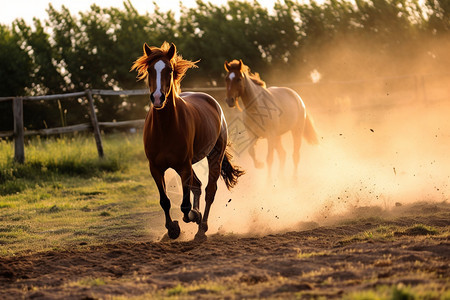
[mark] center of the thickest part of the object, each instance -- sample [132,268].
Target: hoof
[200,236]
[165,238]
[173,230]
[186,218]
[195,216]
[203,227]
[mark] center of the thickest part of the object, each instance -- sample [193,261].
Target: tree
[15,64]
[15,73]
[342,39]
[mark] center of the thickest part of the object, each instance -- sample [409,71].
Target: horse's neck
[169,113]
[253,93]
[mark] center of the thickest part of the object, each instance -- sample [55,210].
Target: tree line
[94,49]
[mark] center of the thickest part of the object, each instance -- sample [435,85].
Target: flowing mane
[179,65]
[246,70]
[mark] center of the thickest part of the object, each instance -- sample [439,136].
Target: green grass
[389,232]
[400,292]
[189,291]
[72,156]
[420,229]
[305,255]
[65,196]
[176,290]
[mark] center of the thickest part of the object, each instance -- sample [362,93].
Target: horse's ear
[240,64]
[172,51]
[147,49]
[227,66]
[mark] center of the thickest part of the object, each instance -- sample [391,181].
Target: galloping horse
[180,130]
[268,113]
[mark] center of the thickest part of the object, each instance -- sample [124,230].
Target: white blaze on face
[159,66]
[231,77]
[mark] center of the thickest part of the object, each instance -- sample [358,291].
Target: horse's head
[163,69]
[235,81]
[159,77]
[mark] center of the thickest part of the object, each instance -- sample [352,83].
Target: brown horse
[269,113]
[180,130]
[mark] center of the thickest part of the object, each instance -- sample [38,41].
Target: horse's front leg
[173,229]
[270,149]
[214,165]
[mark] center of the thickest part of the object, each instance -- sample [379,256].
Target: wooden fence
[19,131]
[416,88]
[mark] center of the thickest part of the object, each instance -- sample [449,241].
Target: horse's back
[205,106]
[286,110]
[209,122]
[198,100]
[287,99]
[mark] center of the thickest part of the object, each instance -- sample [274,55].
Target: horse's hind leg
[281,153]
[194,214]
[214,163]
[173,229]
[190,182]
[297,137]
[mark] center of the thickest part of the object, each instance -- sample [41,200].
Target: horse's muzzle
[231,101]
[158,102]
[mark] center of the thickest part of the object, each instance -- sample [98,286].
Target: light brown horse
[268,113]
[180,130]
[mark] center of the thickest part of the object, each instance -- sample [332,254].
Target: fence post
[94,121]
[19,144]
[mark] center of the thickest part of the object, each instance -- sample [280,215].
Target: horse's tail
[230,173]
[309,132]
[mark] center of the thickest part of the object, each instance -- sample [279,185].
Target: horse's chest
[259,125]
[167,150]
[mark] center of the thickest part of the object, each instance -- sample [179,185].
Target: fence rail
[19,131]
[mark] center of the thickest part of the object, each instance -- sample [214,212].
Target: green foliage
[96,48]
[15,64]
[15,71]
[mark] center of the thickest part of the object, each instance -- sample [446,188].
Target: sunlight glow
[29,9]
[315,76]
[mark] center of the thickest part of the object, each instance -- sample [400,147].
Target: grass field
[73,225]
[64,194]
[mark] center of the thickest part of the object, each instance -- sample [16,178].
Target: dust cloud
[384,142]
[383,158]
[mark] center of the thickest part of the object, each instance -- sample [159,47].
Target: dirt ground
[363,225]
[330,261]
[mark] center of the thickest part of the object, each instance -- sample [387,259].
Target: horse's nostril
[152,98]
